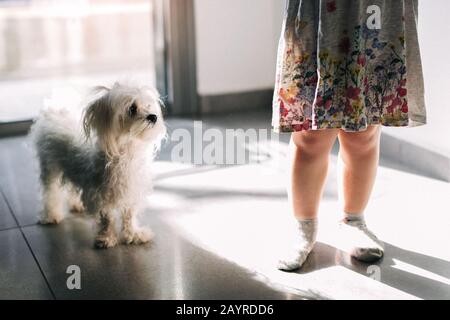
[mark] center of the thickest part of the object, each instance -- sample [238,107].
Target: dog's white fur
[104,159]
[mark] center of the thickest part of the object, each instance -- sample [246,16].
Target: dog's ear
[98,117]
[98,113]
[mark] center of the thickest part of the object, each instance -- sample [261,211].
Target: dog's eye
[132,110]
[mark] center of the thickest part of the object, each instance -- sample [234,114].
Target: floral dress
[348,64]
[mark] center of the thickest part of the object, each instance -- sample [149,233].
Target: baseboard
[15,128]
[248,100]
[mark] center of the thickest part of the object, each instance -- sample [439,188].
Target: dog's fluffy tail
[59,119]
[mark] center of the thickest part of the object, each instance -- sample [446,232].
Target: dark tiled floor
[20,277]
[216,228]
[19,179]
[6,218]
[171,268]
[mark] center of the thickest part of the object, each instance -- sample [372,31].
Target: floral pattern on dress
[365,83]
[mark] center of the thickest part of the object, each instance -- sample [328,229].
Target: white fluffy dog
[103,157]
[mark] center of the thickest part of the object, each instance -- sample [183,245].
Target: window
[47,44]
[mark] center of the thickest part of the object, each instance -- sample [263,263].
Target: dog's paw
[105,242]
[76,207]
[51,219]
[138,236]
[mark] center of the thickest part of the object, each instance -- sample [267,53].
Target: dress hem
[410,123]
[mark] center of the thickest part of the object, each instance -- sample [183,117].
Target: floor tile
[6,219]
[20,277]
[19,179]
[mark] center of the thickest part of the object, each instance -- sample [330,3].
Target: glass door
[47,44]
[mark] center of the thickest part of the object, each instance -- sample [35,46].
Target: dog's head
[121,114]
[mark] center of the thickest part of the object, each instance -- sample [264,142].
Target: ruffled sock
[361,243]
[306,238]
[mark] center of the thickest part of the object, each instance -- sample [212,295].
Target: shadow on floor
[390,269]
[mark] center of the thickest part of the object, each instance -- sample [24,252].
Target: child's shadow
[427,277]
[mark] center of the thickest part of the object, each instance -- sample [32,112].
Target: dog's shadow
[427,278]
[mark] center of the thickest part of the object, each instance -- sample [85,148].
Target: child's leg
[309,155]
[359,157]
[359,152]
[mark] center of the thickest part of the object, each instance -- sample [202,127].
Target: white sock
[362,244]
[307,233]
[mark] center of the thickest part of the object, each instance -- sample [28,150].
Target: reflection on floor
[218,232]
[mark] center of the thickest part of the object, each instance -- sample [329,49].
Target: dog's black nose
[152,118]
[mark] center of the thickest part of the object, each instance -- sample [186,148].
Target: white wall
[434,27]
[236,44]
[434,31]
